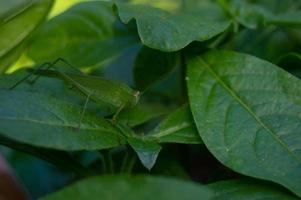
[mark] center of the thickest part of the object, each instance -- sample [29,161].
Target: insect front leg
[114,118]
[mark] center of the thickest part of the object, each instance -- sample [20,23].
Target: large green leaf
[248,190]
[247,112]
[129,187]
[18,21]
[86,35]
[178,127]
[165,31]
[44,121]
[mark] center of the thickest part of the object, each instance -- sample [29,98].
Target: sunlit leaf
[18,21]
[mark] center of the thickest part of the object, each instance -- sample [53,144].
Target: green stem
[124,162]
[106,158]
[183,77]
[131,164]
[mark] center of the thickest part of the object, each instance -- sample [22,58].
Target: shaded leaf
[16,26]
[152,66]
[159,29]
[254,15]
[146,150]
[177,127]
[59,159]
[290,60]
[248,190]
[247,112]
[129,187]
[287,19]
[44,121]
[249,15]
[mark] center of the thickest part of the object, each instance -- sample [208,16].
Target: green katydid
[96,88]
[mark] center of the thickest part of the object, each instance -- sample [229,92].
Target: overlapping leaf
[159,29]
[178,127]
[247,112]
[44,121]
[141,113]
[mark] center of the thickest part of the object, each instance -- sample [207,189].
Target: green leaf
[159,29]
[10,7]
[178,127]
[290,60]
[44,121]
[100,89]
[288,19]
[44,85]
[141,113]
[170,5]
[130,187]
[60,159]
[87,35]
[248,190]
[146,150]
[17,23]
[254,15]
[152,66]
[247,112]
[249,15]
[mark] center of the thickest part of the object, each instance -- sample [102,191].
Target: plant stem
[106,158]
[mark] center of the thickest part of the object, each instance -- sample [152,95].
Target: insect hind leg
[83,111]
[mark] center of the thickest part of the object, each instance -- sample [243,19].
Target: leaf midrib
[56,124]
[171,130]
[249,110]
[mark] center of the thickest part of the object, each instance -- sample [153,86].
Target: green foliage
[17,22]
[250,116]
[248,190]
[139,187]
[154,88]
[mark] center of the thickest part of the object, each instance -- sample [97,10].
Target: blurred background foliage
[93,39]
